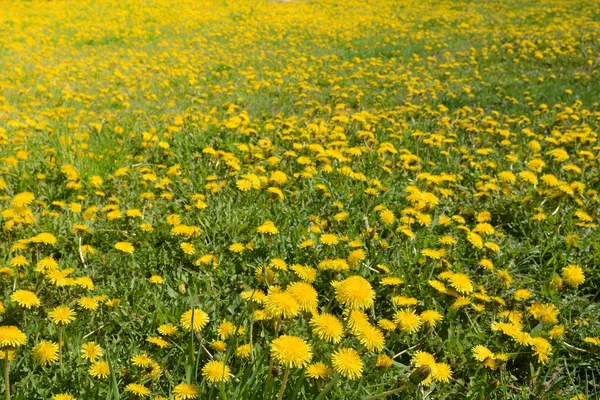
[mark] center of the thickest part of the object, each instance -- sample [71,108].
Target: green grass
[106,85]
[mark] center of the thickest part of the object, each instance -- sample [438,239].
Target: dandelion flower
[185,391]
[291,351]
[125,247]
[522,294]
[421,358]
[354,293]
[372,338]
[281,305]
[99,369]
[216,371]
[199,319]
[461,283]
[305,294]
[431,317]
[542,349]
[244,351]
[45,352]
[88,303]
[25,298]
[91,351]
[573,275]
[158,341]
[167,329]
[391,281]
[11,336]
[63,396]
[327,327]
[138,390]
[19,261]
[62,315]
[347,363]
[268,228]
[408,321]
[441,372]
[22,199]
[329,239]
[317,371]
[481,353]
[384,361]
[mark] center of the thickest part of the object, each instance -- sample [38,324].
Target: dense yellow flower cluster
[357,197]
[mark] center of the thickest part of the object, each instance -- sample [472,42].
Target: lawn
[359,199]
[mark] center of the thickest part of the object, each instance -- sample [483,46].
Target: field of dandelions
[260,199]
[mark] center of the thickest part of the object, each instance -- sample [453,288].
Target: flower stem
[388,393]
[60,346]
[327,388]
[251,333]
[285,378]
[6,378]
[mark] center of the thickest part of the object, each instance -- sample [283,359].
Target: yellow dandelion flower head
[481,353]
[356,320]
[522,294]
[391,281]
[63,396]
[408,321]
[25,298]
[244,351]
[138,390]
[45,352]
[421,358]
[281,305]
[45,238]
[237,247]
[307,274]
[329,239]
[142,360]
[372,338]
[291,351]
[125,247]
[62,315]
[461,282]
[305,294]
[11,336]
[218,345]
[431,317]
[99,369]
[573,275]
[386,324]
[279,263]
[216,371]
[196,318]
[186,391]
[327,327]
[347,362]
[402,301]
[88,303]
[268,228]
[354,293]
[22,199]
[317,370]
[91,351]
[441,372]
[46,263]
[167,329]
[384,361]
[19,261]
[158,341]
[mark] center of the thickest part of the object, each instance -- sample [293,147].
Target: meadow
[304,199]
